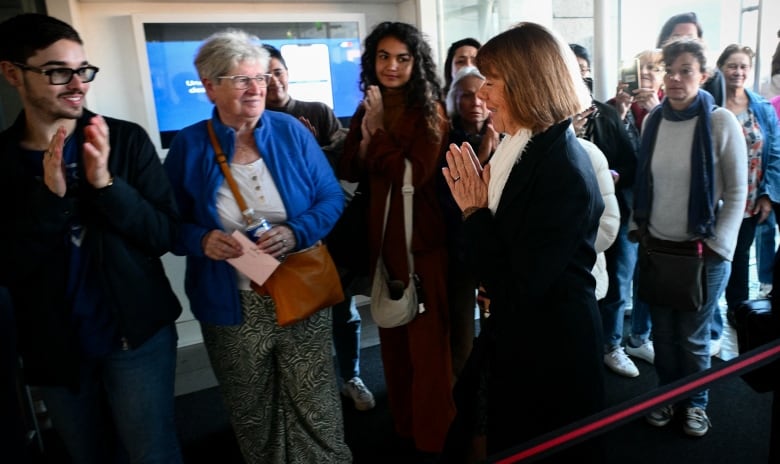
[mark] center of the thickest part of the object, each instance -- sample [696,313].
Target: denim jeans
[621,268]
[682,338]
[346,336]
[766,248]
[126,397]
[640,319]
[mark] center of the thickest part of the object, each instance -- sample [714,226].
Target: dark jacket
[129,226]
[606,130]
[450,209]
[330,135]
[534,256]
[716,86]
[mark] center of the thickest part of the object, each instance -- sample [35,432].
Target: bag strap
[246,212]
[408,193]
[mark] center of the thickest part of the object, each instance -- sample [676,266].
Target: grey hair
[224,50]
[464,72]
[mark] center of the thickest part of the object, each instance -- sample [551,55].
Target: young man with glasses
[88,212]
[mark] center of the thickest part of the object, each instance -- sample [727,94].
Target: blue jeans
[134,390]
[765,248]
[682,338]
[346,336]
[621,265]
[640,318]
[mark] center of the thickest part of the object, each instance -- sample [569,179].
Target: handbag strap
[246,212]
[408,192]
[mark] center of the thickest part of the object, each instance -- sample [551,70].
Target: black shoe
[730,317]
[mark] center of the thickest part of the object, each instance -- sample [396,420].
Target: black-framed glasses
[63,76]
[241,82]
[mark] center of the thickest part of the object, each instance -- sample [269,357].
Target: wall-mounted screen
[323,58]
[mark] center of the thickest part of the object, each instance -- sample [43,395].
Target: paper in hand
[255,264]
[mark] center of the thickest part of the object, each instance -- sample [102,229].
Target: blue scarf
[701,198]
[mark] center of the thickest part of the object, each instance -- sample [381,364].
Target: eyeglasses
[63,76]
[241,82]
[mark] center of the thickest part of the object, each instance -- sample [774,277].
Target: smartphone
[629,74]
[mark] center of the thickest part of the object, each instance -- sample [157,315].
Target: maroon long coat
[416,356]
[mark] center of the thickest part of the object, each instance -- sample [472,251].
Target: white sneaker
[714,347]
[764,290]
[359,393]
[696,424]
[645,351]
[620,363]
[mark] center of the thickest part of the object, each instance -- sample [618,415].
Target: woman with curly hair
[402,119]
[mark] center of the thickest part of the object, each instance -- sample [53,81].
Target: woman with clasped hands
[278,383]
[530,222]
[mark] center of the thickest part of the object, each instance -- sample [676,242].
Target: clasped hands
[467,179]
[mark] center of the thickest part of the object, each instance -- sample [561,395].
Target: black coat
[129,226]
[606,131]
[542,345]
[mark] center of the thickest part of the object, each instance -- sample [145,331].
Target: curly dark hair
[424,88]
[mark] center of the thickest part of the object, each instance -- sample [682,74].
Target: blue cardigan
[770,151]
[311,194]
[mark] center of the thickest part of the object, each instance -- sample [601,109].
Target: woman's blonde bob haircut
[542,82]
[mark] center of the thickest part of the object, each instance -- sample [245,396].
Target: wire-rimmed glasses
[242,82]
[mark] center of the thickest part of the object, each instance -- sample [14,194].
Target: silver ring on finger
[456,179]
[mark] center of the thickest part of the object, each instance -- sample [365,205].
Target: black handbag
[756,326]
[672,273]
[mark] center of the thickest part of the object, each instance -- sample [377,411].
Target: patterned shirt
[754,141]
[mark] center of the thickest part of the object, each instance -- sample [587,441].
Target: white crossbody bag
[387,311]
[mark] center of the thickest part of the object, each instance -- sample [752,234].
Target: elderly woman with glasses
[278,383]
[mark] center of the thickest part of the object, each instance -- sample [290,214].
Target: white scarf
[508,153]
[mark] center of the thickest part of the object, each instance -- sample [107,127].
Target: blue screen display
[319,69]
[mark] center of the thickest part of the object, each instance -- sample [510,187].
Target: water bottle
[258,227]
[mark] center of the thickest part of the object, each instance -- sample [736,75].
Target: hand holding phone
[629,75]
